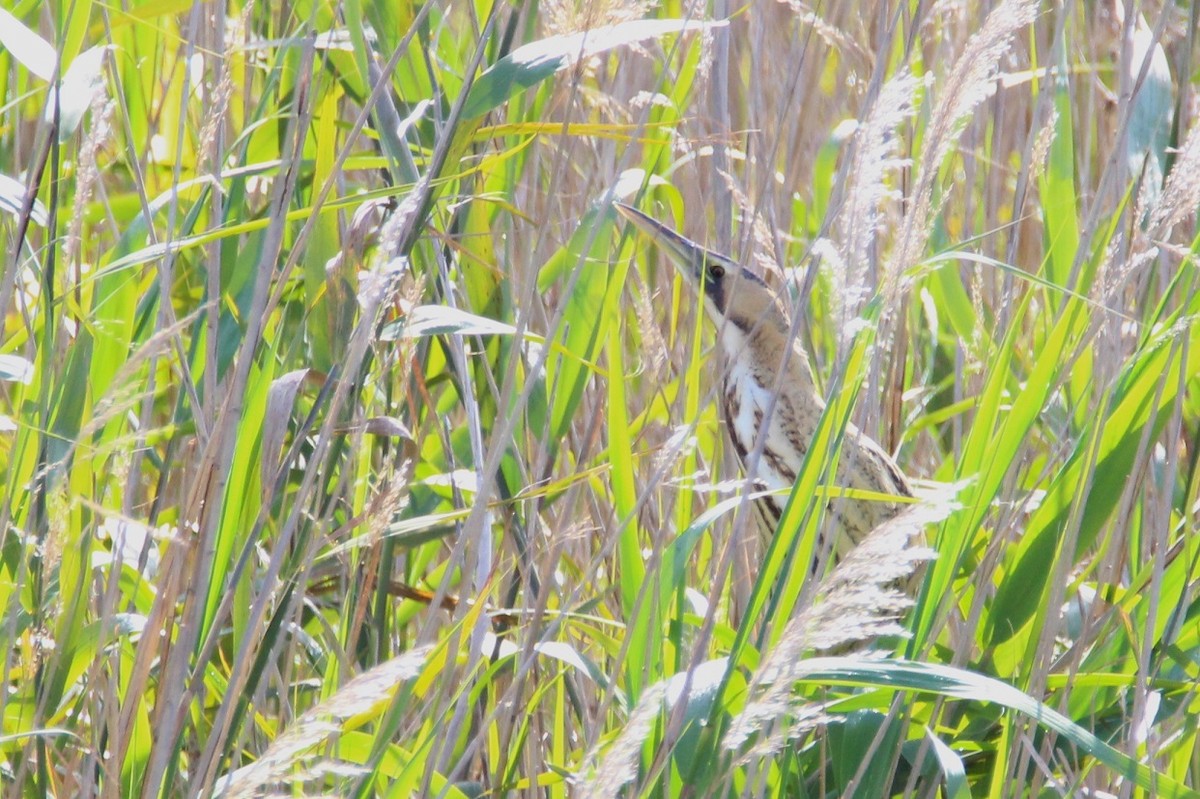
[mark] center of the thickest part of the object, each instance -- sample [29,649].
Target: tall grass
[350,446]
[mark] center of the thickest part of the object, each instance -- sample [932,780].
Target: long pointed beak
[687,254]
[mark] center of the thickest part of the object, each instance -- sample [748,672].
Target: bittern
[764,359]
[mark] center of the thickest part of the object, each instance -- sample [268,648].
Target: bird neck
[761,353]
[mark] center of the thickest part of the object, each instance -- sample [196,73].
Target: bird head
[732,295]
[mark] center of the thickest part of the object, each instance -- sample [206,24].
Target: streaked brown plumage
[754,332]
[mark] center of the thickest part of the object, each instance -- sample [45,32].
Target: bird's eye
[716,271]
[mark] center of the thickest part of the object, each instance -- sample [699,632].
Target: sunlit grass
[350,444]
